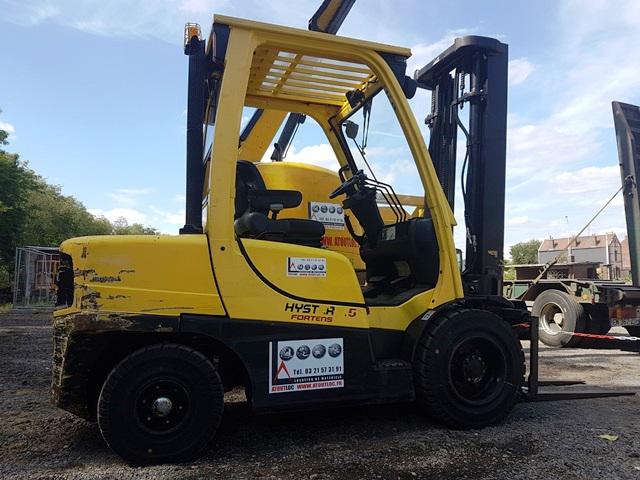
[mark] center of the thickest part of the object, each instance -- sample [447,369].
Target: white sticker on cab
[330,215]
[306,267]
[299,365]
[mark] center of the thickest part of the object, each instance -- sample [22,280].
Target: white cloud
[128,196]
[519,70]
[199,6]
[30,13]
[423,53]
[523,220]
[167,217]
[165,220]
[588,181]
[7,127]
[10,129]
[130,214]
[161,19]
[321,155]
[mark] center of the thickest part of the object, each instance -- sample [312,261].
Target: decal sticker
[338,241]
[330,215]
[310,312]
[298,365]
[306,267]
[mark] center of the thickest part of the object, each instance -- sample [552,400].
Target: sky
[93,93]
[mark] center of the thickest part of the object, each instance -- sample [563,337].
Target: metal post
[16,277]
[534,349]
[627,122]
[443,136]
[195,49]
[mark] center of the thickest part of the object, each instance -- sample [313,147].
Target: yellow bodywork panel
[335,282]
[163,275]
[258,288]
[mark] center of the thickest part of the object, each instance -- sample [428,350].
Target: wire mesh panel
[35,273]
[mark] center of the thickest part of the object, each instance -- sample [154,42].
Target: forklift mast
[627,122]
[480,63]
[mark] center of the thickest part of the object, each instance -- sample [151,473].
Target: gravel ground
[539,440]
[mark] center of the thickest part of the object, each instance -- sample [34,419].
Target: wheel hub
[474,368]
[162,406]
[477,370]
[551,318]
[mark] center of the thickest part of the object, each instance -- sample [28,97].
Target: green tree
[54,217]
[16,182]
[122,227]
[508,272]
[525,252]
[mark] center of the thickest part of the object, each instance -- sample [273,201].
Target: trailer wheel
[560,315]
[633,330]
[468,369]
[599,323]
[162,403]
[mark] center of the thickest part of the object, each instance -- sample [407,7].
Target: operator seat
[401,258]
[254,202]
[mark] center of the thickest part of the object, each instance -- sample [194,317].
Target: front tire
[468,369]
[162,403]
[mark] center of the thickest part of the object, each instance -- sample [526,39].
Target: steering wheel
[346,185]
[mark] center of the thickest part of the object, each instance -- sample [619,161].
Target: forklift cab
[250,229]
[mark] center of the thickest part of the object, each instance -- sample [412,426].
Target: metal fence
[35,273]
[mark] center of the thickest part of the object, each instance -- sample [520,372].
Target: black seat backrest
[247,178]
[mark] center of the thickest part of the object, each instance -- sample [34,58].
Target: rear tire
[599,319]
[468,369]
[560,315]
[162,403]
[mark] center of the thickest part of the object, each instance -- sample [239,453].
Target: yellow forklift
[150,331]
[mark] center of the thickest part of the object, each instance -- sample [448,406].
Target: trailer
[566,307]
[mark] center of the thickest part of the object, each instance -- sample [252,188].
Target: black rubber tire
[435,369]
[599,319]
[121,416]
[634,330]
[574,318]
[599,325]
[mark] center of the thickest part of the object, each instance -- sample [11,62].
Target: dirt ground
[539,440]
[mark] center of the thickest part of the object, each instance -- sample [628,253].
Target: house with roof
[601,255]
[626,258]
